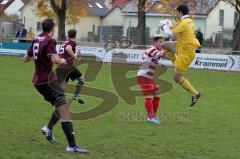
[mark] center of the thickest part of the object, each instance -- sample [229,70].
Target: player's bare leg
[170,49]
[170,46]
[63,85]
[78,90]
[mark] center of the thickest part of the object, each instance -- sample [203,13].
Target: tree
[65,11]
[236,31]
[142,6]
[141,27]
[195,6]
[12,17]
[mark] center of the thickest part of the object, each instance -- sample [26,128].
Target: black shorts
[66,73]
[52,92]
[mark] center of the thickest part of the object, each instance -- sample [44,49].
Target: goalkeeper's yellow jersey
[184,31]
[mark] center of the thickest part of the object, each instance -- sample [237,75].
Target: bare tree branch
[55,7]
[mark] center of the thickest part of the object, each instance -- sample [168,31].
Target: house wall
[152,21]
[86,25]
[212,24]
[14,7]
[30,19]
[114,18]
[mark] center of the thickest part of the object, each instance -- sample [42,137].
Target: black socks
[53,120]
[68,130]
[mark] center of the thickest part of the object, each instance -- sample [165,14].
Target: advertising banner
[201,61]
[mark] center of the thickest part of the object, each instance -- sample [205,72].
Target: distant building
[11,7]
[9,25]
[4,4]
[221,19]
[99,20]
[153,17]
[111,4]
[119,18]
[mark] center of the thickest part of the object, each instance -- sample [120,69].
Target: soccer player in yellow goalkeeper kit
[182,51]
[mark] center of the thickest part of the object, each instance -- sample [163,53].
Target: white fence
[201,61]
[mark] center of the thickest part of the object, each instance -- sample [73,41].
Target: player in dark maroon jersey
[43,51]
[69,71]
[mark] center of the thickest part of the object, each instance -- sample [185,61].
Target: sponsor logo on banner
[126,55]
[133,56]
[218,62]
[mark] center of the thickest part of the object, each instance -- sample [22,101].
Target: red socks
[156,101]
[149,107]
[152,105]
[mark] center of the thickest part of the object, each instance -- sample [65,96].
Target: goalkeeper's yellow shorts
[185,54]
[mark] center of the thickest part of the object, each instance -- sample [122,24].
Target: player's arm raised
[166,26]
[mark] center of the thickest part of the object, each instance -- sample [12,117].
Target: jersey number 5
[61,49]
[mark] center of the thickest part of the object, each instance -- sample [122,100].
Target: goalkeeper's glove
[165,26]
[166,22]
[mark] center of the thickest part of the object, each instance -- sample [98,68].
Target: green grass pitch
[211,132]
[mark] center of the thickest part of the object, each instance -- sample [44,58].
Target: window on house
[93,29]
[39,27]
[236,17]
[221,17]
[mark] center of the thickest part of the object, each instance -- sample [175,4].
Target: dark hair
[183,8]
[156,38]
[72,33]
[47,25]
[22,25]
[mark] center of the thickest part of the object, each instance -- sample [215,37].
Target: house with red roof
[11,7]
[217,17]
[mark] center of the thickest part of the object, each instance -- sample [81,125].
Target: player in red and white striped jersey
[145,78]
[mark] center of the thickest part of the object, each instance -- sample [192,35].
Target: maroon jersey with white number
[150,59]
[41,50]
[64,54]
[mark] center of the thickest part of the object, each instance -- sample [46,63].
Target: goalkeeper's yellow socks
[188,86]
